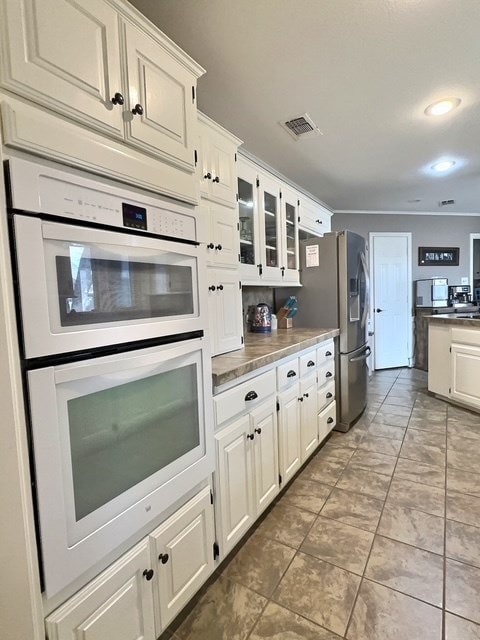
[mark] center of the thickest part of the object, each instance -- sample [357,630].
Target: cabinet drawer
[325,352]
[327,419]
[325,394]
[288,374]
[326,373]
[244,396]
[308,362]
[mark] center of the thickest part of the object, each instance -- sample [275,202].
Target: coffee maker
[459,295]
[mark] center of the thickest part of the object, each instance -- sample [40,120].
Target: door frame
[371,321]
[473,236]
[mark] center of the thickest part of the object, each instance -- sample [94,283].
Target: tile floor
[378,538]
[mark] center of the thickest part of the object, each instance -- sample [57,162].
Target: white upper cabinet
[248,221]
[313,217]
[217,162]
[289,235]
[269,190]
[101,64]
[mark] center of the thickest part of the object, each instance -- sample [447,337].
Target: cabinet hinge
[258,182]
[298,219]
[195,156]
[298,203]
[280,195]
[239,258]
[238,226]
[279,479]
[240,284]
[211,497]
[242,340]
[216,550]
[237,196]
[235,157]
[449,389]
[278,406]
[450,349]
[193,94]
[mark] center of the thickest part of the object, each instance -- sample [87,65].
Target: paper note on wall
[311,256]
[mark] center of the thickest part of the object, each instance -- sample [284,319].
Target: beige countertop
[455,318]
[262,349]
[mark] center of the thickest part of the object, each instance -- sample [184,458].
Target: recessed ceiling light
[442,106]
[445,165]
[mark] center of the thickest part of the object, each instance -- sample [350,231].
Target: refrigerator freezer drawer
[352,387]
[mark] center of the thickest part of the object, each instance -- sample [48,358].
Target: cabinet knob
[148,574]
[291,373]
[282,269]
[220,287]
[305,395]
[328,353]
[207,176]
[250,436]
[137,110]
[319,221]
[212,287]
[330,420]
[329,395]
[328,374]
[310,363]
[163,557]
[210,245]
[118,99]
[216,179]
[219,247]
[251,395]
[300,399]
[259,430]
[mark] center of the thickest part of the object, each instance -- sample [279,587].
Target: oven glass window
[121,435]
[95,286]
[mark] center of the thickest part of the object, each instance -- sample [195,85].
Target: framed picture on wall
[441,256]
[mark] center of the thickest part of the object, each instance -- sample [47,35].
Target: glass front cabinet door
[289,236]
[248,221]
[269,210]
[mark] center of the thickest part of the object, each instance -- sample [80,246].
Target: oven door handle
[364,355]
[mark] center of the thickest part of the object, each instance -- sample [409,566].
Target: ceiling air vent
[444,203]
[301,127]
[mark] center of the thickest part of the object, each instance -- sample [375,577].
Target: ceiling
[364,71]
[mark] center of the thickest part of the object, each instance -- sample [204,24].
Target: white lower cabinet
[118,604]
[290,448]
[308,415]
[183,554]
[153,580]
[225,310]
[465,362]
[263,422]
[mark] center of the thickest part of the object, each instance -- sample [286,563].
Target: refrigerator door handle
[364,356]
[367,290]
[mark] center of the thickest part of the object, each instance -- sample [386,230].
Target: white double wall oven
[115,361]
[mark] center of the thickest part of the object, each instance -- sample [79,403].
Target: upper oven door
[83,287]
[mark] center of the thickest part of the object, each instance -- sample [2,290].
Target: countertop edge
[277,354]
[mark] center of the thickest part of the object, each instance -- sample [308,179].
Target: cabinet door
[313,217]
[308,416]
[163,88]
[263,426]
[223,169]
[183,554]
[233,481]
[118,604]
[222,242]
[66,56]
[466,374]
[269,207]
[289,432]
[248,219]
[289,236]
[225,310]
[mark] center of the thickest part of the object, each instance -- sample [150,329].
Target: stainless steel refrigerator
[335,281]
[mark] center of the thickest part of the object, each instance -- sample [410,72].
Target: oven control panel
[40,189]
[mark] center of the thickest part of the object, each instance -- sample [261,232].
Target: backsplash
[252,296]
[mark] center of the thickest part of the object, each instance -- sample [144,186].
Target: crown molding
[407,213]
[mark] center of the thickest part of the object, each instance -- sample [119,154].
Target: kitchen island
[264,349]
[454,358]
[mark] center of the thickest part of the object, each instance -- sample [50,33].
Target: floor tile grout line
[444,594]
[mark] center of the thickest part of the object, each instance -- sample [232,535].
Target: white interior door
[391,311]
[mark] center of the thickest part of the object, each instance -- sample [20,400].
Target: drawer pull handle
[328,353]
[250,436]
[291,373]
[329,421]
[251,395]
[329,395]
[148,574]
[259,430]
[328,374]
[310,363]
[163,557]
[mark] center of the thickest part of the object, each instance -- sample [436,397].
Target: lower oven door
[84,287]
[117,440]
